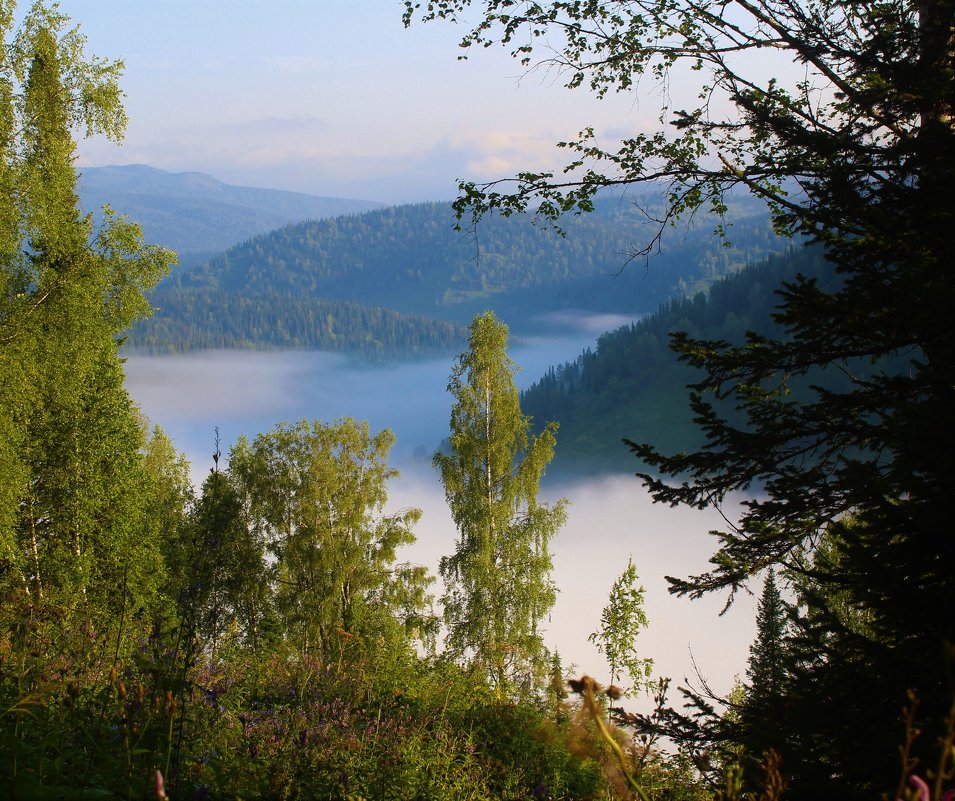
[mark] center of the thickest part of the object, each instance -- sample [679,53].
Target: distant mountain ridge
[197,215]
[409,259]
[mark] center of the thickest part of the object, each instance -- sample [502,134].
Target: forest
[409,260]
[259,636]
[203,318]
[631,381]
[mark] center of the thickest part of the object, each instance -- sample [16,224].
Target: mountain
[196,215]
[409,259]
[632,385]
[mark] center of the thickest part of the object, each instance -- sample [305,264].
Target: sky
[329,98]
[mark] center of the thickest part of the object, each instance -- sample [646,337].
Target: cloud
[501,153]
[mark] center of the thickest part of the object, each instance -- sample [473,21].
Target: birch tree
[317,494]
[621,621]
[70,467]
[498,585]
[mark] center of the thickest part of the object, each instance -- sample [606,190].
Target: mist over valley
[410,260]
[611,518]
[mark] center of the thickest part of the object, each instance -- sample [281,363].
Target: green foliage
[528,752]
[766,668]
[71,521]
[255,639]
[620,622]
[763,712]
[498,586]
[315,495]
[259,640]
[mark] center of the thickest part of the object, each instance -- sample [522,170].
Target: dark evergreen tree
[766,670]
[763,714]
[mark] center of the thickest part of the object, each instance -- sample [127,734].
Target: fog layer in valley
[610,518]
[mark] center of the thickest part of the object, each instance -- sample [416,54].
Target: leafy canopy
[499,589]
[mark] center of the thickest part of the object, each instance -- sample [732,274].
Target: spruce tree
[766,669]
[498,583]
[762,719]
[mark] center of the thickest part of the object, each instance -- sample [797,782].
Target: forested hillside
[411,260]
[207,319]
[196,215]
[632,385]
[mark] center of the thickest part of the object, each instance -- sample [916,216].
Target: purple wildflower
[921,787]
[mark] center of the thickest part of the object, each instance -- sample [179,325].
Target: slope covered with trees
[633,385]
[205,318]
[409,259]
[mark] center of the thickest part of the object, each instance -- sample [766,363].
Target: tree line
[259,636]
[199,319]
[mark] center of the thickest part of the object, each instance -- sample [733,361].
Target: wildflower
[160,787]
[922,792]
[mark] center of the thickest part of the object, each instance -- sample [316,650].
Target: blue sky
[331,98]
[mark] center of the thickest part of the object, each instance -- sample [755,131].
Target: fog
[610,518]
